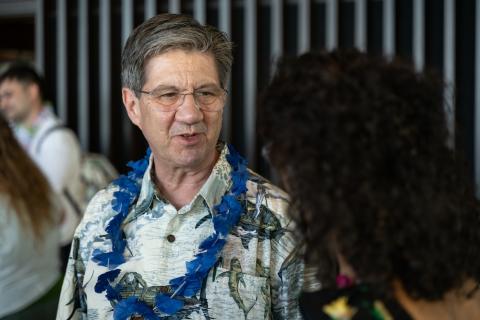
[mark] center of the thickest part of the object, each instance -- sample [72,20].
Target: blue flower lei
[228,213]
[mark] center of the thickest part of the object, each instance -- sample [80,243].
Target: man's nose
[188,111]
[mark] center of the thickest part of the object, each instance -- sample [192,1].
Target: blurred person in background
[387,215]
[53,147]
[30,278]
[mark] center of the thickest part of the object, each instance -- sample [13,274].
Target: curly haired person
[387,215]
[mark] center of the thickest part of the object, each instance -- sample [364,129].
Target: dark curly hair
[360,144]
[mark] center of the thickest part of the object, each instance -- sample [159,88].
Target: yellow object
[339,309]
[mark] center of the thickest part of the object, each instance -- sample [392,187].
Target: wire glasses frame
[207,99]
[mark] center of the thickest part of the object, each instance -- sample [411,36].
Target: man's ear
[132,105]
[33,90]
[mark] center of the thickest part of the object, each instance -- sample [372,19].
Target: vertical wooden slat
[332,24]
[477,99]
[389,28]
[449,65]
[250,35]
[150,8]
[83,111]
[277,29]
[225,16]
[105,80]
[174,6]
[200,11]
[39,36]
[127,26]
[361,24]
[303,25]
[225,24]
[127,19]
[419,34]
[276,46]
[61,38]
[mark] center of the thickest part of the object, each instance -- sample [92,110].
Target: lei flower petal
[204,261]
[108,259]
[128,185]
[239,182]
[167,305]
[234,158]
[133,307]
[113,294]
[229,212]
[139,166]
[211,243]
[121,202]
[104,280]
[187,285]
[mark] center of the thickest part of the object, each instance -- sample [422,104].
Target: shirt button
[171,238]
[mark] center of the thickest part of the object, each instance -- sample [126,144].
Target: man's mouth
[187,135]
[189,138]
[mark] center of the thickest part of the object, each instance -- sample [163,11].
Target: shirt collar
[211,192]
[25,134]
[219,180]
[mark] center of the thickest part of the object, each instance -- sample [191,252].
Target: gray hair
[166,32]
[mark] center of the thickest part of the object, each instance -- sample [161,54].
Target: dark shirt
[353,303]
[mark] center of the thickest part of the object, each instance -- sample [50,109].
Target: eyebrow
[208,85]
[163,87]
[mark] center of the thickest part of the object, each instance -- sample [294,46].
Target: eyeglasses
[207,99]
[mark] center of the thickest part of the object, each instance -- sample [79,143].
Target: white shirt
[58,155]
[28,268]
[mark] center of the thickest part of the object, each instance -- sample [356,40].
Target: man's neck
[180,185]
[31,119]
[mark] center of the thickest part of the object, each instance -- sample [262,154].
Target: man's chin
[193,157]
[15,118]
[7,115]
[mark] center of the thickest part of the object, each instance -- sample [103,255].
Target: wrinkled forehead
[181,68]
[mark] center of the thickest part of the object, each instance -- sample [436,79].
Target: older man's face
[15,100]
[186,136]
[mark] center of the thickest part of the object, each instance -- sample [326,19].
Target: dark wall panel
[133,144]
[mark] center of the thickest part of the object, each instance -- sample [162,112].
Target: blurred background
[77,44]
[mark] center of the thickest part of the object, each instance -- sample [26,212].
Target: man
[53,147]
[190,232]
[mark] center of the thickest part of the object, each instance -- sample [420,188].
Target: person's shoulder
[263,193]
[92,227]
[259,184]
[100,206]
[61,133]
[97,214]
[52,133]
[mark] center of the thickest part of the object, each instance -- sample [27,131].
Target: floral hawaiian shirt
[258,276]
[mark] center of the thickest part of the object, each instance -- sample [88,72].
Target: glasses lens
[205,99]
[210,99]
[168,99]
